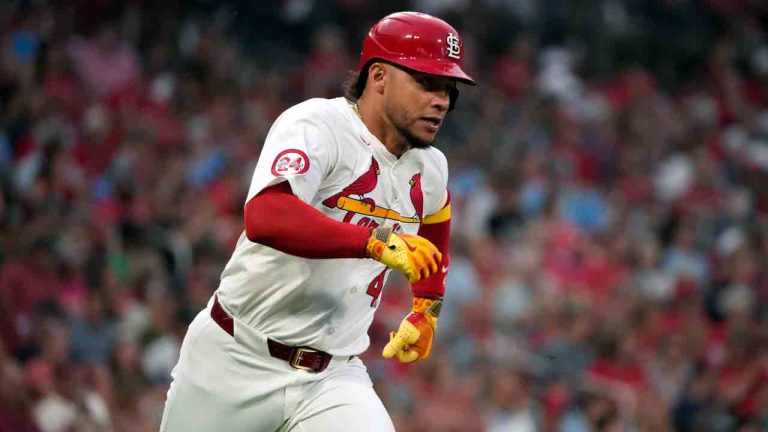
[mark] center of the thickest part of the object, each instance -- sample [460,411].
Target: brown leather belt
[303,358]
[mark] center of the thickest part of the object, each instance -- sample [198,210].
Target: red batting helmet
[418,42]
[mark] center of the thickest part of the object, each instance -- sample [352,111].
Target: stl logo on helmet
[454,49]
[290,162]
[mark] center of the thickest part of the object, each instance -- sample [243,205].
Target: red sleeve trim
[277,218]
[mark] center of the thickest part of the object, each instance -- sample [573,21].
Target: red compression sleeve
[434,286]
[278,219]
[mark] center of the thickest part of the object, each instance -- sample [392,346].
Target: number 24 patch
[290,162]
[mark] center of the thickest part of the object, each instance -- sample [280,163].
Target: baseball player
[345,190]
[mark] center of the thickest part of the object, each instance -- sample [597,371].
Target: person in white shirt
[345,190]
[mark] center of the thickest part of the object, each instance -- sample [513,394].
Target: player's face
[417,104]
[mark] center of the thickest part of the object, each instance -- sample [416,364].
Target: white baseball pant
[226,383]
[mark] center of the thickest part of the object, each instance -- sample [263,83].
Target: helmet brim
[430,66]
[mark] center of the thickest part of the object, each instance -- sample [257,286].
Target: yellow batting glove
[414,256]
[413,340]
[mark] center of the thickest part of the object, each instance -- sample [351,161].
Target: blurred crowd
[610,206]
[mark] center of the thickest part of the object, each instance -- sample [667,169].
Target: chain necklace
[356,109]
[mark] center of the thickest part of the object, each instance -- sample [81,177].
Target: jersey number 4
[374,288]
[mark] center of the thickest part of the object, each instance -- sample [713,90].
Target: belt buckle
[298,355]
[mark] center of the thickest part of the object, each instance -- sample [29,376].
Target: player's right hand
[414,256]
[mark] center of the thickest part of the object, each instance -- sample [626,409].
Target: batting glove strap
[431,307]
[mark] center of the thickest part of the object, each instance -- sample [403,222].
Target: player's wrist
[427,309]
[376,243]
[424,304]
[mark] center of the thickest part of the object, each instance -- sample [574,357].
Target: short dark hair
[354,84]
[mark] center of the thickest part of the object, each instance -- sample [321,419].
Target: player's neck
[380,126]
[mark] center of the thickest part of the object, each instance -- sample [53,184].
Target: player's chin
[423,137]
[417,142]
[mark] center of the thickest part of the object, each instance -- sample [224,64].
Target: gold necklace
[356,109]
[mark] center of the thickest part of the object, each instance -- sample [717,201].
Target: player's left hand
[413,340]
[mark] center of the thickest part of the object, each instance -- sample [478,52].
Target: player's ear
[378,75]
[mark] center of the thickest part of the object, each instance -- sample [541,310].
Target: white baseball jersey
[331,160]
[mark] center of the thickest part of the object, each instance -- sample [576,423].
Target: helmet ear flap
[453,95]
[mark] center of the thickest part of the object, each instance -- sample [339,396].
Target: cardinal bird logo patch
[290,162]
[354,201]
[361,186]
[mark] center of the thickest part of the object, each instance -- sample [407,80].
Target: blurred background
[610,205]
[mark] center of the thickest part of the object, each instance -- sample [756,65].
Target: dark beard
[411,139]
